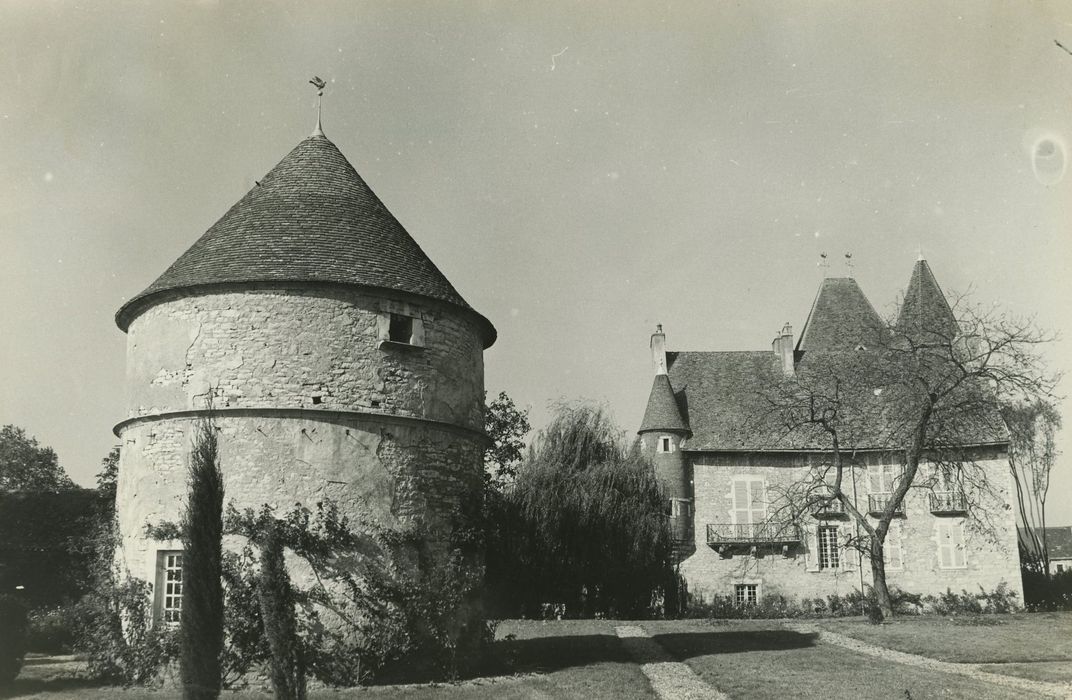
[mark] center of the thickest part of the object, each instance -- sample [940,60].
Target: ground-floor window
[829,556]
[1060,568]
[746,593]
[168,591]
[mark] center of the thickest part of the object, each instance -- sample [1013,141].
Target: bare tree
[913,394]
[1032,452]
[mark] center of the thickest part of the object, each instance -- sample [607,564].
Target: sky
[579,171]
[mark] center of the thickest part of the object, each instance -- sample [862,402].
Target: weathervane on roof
[919,252]
[848,262]
[824,263]
[319,84]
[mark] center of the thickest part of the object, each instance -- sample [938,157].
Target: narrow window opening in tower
[401,329]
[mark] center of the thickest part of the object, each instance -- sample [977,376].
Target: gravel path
[1036,688]
[671,680]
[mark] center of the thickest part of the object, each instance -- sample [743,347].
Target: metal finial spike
[319,84]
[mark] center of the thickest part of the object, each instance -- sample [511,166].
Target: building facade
[731,484]
[335,360]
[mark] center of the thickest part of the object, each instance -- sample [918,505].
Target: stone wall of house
[289,348]
[990,551]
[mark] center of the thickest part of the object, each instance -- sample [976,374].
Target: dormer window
[665,444]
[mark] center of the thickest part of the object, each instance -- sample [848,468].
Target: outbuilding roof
[311,219]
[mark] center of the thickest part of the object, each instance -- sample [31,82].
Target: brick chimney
[658,350]
[783,348]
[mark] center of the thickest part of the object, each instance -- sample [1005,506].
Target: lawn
[760,659]
[746,659]
[981,639]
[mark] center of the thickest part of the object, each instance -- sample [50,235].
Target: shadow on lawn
[32,686]
[686,645]
[548,654]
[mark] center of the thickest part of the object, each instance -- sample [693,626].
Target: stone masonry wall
[299,349]
[391,474]
[991,555]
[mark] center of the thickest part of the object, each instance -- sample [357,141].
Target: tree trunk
[878,576]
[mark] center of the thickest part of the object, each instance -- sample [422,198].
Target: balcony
[948,503]
[877,502]
[723,534]
[830,510]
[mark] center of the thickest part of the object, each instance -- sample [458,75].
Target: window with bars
[746,594]
[829,555]
[169,587]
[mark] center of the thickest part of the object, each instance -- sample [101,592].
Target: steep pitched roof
[663,412]
[841,318]
[310,219]
[925,306]
[722,393]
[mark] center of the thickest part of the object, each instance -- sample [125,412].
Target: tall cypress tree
[277,610]
[202,596]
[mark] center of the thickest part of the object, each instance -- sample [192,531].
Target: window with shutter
[749,503]
[891,549]
[951,545]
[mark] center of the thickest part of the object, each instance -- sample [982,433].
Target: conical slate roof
[662,413]
[841,318]
[311,219]
[925,307]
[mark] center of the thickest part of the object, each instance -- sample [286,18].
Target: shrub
[13,622]
[52,630]
[1044,592]
[1000,600]
[776,606]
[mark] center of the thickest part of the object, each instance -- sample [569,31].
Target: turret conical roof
[663,412]
[925,308]
[311,219]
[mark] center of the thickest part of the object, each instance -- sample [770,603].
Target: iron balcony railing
[948,502]
[877,502]
[752,533]
[829,509]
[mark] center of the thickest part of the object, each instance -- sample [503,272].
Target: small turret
[662,435]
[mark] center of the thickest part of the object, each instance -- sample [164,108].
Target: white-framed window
[829,549]
[666,444]
[951,544]
[892,554]
[745,594]
[168,590]
[749,501]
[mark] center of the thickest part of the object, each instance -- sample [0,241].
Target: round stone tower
[338,363]
[662,434]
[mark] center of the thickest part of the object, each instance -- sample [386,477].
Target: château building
[726,479]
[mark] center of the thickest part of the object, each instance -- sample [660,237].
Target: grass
[744,658]
[761,659]
[981,639]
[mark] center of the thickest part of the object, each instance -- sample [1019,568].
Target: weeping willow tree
[582,526]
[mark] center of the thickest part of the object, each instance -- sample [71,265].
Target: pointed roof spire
[841,318]
[320,84]
[925,307]
[663,412]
